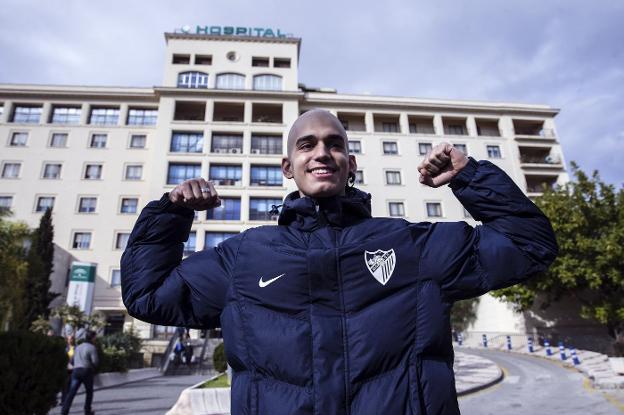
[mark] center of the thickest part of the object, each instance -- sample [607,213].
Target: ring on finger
[205,190]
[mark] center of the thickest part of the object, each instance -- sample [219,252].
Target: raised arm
[159,287]
[515,241]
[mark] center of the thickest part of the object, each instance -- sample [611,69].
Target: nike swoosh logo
[263,283]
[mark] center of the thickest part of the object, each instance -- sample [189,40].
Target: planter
[204,401]
[617,364]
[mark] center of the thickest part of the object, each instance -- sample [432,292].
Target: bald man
[333,311]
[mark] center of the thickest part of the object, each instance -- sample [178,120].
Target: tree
[40,260]
[463,314]
[13,268]
[587,216]
[74,317]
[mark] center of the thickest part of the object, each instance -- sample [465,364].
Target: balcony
[533,131]
[228,112]
[539,158]
[536,184]
[266,113]
[386,123]
[420,125]
[189,111]
[352,121]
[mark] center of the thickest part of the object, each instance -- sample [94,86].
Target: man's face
[318,158]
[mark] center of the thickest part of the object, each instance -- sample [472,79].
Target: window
[212,239]
[267,83]
[142,116]
[230,81]
[355,147]
[179,172]
[58,140]
[66,115]
[420,124]
[44,202]
[93,172]
[390,127]
[494,152]
[129,205]
[193,80]
[137,140]
[27,114]
[266,176]
[179,59]
[462,148]
[98,141]
[87,204]
[424,148]
[390,147]
[281,62]
[6,202]
[359,177]
[121,240]
[229,210]
[104,116]
[225,175]
[133,172]
[190,244]
[488,128]
[82,240]
[115,278]
[203,59]
[163,332]
[11,170]
[18,139]
[454,127]
[227,143]
[262,209]
[187,142]
[434,209]
[396,209]
[393,177]
[266,144]
[261,62]
[52,171]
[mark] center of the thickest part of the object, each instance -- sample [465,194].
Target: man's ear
[287,168]
[352,164]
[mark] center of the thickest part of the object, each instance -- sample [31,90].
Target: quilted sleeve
[157,286]
[515,241]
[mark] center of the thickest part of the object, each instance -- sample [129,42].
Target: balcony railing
[549,159]
[543,133]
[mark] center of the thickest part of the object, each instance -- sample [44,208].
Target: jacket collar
[308,214]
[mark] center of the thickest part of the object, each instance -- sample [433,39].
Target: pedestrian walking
[334,311]
[85,362]
[69,349]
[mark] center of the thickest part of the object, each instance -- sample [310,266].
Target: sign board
[81,285]
[234,31]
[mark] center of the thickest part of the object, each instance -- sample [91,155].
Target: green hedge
[218,358]
[116,351]
[33,369]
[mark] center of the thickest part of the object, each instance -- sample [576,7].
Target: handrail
[165,363]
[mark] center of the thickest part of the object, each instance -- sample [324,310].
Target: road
[152,396]
[537,386]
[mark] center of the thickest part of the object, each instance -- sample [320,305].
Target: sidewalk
[474,373]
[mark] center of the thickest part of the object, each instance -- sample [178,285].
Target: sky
[567,54]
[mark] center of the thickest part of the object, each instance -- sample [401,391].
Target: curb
[485,368]
[483,386]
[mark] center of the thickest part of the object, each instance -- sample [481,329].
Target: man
[85,362]
[333,311]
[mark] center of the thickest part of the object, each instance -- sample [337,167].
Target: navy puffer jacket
[333,311]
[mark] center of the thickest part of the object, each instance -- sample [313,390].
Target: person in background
[85,362]
[69,349]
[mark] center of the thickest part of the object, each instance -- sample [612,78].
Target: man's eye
[305,146]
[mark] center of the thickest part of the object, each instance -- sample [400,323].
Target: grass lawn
[219,382]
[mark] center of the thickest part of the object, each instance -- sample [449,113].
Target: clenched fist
[196,194]
[441,164]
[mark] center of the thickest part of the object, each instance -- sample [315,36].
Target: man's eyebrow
[305,138]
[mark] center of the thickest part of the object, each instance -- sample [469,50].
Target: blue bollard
[460,339]
[484,340]
[530,344]
[508,342]
[575,358]
[562,351]
[547,346]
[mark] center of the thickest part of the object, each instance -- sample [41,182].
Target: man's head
[317,155]
[90,336]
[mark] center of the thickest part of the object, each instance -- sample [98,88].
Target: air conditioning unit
[551,159]
[255,151]
[238,183]
[235,150]
[220,150]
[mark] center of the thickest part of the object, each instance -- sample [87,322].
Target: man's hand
[441,164]
[196,194]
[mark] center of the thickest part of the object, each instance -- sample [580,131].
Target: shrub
[112,359]
[116,350]
[33,368]
[218,358]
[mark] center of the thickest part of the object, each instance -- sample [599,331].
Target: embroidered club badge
[380,264]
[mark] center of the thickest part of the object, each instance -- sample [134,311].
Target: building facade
[99,154]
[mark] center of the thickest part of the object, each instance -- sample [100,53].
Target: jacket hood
[308,214]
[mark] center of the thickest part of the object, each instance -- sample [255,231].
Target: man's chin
[323,191]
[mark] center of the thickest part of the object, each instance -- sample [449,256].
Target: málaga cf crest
[380,264]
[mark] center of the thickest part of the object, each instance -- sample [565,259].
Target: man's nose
[321,151]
